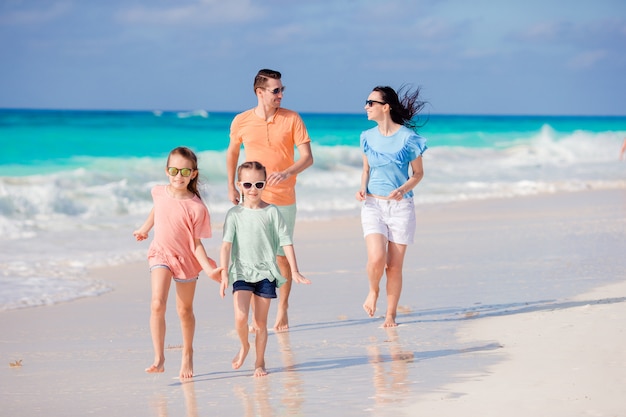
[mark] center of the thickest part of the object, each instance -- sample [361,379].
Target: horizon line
[208,112]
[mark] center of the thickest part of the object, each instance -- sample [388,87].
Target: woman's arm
[365,176]
[418,173]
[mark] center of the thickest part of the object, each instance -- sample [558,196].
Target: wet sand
[509,307]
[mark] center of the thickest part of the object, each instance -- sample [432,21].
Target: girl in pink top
[180,219]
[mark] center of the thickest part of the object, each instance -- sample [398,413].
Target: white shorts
[393,219]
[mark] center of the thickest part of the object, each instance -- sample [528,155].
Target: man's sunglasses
[185,172]
[258,185]
[277,90]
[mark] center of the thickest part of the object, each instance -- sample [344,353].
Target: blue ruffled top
[389,158]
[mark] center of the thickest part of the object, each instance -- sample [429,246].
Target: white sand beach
[510,307]
[566,359]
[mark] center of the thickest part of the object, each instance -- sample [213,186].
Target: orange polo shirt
[272,143]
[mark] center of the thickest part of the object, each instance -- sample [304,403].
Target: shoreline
[564,360]
[477,270]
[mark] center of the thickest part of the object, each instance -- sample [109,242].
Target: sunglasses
[370,103]
[185,172]
[258,185]
[277,90]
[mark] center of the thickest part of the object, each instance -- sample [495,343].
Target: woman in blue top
[388,213]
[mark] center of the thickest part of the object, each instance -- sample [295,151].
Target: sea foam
[57,224]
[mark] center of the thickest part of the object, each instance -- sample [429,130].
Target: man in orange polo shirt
[269,134]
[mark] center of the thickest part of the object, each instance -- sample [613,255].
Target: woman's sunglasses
[185,172]
[370,103]
[258,185]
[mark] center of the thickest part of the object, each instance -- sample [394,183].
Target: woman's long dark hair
[405,104]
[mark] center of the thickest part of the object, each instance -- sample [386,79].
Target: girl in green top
[253,232]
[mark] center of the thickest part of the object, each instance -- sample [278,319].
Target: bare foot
[156,368]
[390,321]
[186,368]
[370,303]
[253,327]
[260,371]
[282,321]
[403,356]
[240,357]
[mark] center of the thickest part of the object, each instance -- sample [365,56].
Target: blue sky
[469,57]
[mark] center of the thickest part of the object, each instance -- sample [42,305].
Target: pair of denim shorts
[264,288]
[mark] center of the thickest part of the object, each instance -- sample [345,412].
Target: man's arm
[304,161]
[232,158]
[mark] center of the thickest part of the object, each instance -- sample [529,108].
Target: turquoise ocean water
[74,184]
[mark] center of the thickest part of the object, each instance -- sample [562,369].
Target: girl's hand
[360,195]
[223,282]
[299,278]
[139,235]
[212,263]
[215,274]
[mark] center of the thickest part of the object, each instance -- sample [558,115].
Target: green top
[256,235]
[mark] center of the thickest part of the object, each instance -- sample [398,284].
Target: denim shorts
[264,288]
[183,280]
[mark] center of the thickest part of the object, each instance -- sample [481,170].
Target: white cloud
[438,29]
[35,16]
[475,53]
[542,31]
[352,42]
[587,59]
[593,33]
[289,32]
[202,12]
